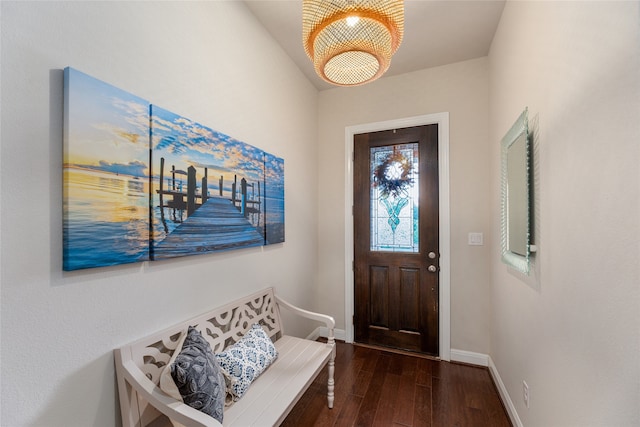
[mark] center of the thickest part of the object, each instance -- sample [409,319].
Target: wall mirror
[516,196]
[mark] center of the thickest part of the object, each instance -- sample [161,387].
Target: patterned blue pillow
[244,361]
[198,377]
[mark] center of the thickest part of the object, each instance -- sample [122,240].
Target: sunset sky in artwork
[183,143]
[107,128]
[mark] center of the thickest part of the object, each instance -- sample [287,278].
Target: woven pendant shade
[351,42]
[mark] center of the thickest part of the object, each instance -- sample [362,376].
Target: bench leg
[331,381]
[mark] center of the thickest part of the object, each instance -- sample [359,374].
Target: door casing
[442,119]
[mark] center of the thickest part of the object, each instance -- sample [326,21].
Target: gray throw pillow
[198,376]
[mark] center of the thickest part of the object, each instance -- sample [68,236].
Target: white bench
[270,397]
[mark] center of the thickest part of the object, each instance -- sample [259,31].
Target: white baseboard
[504,395]
[339,334]
[469,357]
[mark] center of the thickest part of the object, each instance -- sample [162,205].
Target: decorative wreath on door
[393,175]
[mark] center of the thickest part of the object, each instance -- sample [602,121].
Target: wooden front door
[396,238]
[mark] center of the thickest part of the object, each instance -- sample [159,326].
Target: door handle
[432,268]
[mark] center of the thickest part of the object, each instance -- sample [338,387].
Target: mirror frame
[519,262]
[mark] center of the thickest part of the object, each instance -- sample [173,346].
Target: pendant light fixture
[351,42]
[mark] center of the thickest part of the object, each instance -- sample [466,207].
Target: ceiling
[437,32]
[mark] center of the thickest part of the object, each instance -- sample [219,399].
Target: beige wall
[462,90]
[572,331]
[204,60]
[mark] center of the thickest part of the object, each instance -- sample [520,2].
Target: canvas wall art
[106,174]
[144,183]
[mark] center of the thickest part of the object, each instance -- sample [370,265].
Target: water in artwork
[107,219]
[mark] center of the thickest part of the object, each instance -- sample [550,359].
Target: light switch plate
[476,239]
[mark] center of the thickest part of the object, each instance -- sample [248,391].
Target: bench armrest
[331,341]
[172,408]
[327,320]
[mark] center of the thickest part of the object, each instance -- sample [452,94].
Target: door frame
[442,120]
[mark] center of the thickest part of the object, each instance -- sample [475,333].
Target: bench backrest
[221,327]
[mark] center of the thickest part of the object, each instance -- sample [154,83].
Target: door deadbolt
[432,255]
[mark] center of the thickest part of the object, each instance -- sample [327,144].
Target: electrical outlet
[475,239]
[525,393]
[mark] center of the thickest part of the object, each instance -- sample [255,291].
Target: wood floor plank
[385,410]
[349,411]
[406,399]
[363,380]
[396,362]
[379,388]
[422,412]
[424,369]
[370,357]
[371,399]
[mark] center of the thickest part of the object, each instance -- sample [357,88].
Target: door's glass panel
[394,198]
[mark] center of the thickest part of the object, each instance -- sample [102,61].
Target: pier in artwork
[207,223]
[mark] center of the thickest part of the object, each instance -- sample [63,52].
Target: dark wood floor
[380,388]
